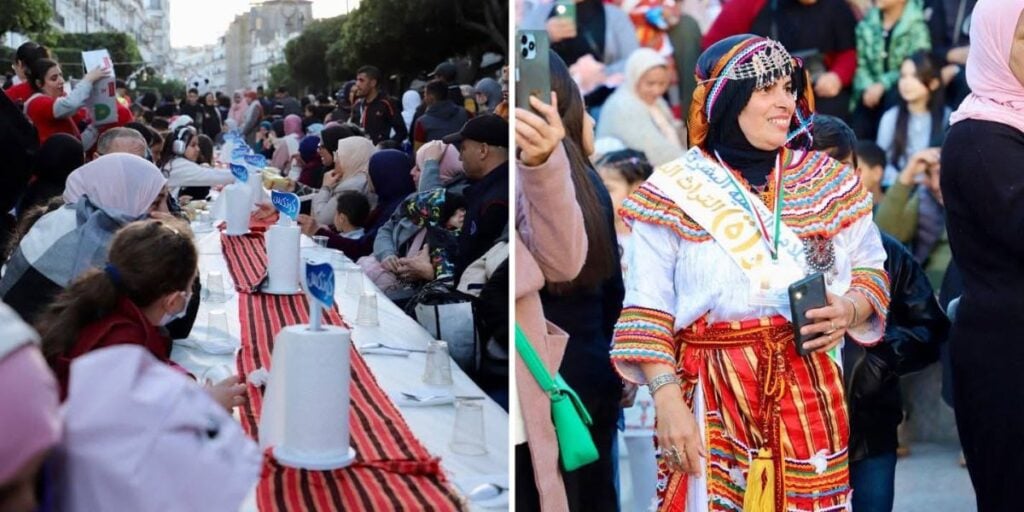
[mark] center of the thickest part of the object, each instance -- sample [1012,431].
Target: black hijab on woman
[54,161]
[724,133]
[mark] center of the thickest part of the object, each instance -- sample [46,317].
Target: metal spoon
[486,491]
[389,347]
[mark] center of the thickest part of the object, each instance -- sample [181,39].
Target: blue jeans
[873,480]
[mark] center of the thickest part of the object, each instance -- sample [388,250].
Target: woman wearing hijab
[100,197]
[252,117]
[57,158]
[488,95]
[239,104]
[637,113]
[311,168]
[351,160]
[391,182]
[31,422]
[741,417]
[410,102]
[288,147]
[981,188]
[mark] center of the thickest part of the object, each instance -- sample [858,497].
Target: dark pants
[590,488]
[873,480]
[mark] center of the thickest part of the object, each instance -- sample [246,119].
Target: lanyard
[772,242]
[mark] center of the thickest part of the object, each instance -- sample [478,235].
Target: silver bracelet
[856,314]
[662,380]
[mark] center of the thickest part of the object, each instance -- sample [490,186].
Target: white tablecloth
[432,425]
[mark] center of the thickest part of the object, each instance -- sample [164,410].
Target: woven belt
[771,338]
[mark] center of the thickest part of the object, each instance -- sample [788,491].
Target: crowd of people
[837,119]
[101,269]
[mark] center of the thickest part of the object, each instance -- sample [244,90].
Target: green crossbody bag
[568,414]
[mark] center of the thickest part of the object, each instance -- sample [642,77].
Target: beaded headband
[764,61]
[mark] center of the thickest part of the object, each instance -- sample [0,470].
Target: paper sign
[102,102]
[258,161]
[320,282]
[287,204]
[240,173]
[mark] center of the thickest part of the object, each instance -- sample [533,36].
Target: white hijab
[640,62]
[118,181]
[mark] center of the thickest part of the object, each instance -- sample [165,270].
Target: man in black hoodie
[441,118]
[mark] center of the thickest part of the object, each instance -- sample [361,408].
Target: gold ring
[832,323]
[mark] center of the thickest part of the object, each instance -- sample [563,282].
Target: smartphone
[565,9]
[805,295]
[533,71]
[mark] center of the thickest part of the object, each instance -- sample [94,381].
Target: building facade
[255,40]
[146,21]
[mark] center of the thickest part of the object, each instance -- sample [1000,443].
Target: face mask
[168,318]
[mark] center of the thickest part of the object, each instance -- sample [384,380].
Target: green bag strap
[554,387]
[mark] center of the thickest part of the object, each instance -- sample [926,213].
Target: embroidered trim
[823,197]
[874,284]
[643,335]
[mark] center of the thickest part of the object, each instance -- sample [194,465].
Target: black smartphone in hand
[805,295]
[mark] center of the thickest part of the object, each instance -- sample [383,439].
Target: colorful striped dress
[753,396]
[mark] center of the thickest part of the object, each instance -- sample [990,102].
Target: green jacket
[909,35]
[897,215]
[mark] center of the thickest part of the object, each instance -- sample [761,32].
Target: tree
[26,16]
[281,76]
[306,53]
[121,46]
[489,18]
[160,85]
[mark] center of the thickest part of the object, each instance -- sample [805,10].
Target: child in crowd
[888,34]
[353,210]
[145,285]
[871,168]
[179,163]
[623,172]
[920,117]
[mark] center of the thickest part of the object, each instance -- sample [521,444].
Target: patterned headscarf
[755,62]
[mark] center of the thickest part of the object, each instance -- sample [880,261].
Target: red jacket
[126,325]
[20,92]
[40,112]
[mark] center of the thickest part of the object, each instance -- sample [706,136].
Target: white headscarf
[410,102]
[142,436]
[640,62]
[118,181]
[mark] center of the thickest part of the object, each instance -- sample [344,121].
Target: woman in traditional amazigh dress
[743,421]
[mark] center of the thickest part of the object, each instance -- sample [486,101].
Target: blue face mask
[168,318]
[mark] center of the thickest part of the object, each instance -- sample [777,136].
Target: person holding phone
[719,236]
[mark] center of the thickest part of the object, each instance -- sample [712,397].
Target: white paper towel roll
[283,259]
[305,415]
[237,201]
[255,183]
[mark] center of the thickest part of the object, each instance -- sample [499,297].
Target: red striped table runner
[393,471]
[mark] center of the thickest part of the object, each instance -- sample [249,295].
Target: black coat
[915,329]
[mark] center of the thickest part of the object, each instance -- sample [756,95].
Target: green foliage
[404,38]
[30,17]
[281,76]
[160,86]
[121,46]
[305,54]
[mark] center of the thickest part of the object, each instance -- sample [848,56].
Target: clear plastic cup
[354,280]
[438,370]
[367,313]
[215,292]
[468,431]
[217,326]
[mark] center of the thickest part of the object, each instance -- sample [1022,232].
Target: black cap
[488,129]
[445,71]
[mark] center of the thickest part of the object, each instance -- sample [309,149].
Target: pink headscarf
[118,181]
[293,125]
[996,94]
[238,107]
[30,421]
[141,436]
[451,166]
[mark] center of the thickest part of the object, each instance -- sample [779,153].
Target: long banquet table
[432,426]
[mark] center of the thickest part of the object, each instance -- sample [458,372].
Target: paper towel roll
[305,414]
[237,199]
[255,183]
[283,259]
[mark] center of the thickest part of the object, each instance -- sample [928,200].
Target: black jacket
[915,329]
[378,117]
[486,217]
